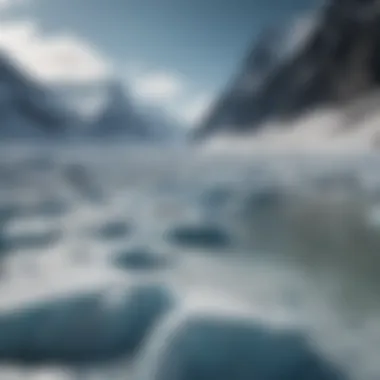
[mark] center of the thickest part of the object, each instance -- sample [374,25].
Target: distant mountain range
[328,58]
[122,117]
[29,109]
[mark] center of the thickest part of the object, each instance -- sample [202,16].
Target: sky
[176,54]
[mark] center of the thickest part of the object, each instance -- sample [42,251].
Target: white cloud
[168,90]
[157,86]
[6,4]
[52,58]
[66,58]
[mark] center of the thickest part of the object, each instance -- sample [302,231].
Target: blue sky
[177,53]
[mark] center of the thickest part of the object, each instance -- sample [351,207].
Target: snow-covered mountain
[118,116]
[27,108]
[326,59]
[122,117]
[163,126]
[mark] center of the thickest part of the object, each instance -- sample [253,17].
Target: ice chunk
[80,328]
[224,345]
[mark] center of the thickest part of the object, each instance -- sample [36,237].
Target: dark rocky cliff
[336,60]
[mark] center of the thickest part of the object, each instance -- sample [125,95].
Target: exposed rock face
[329,58]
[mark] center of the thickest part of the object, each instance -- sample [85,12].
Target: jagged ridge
[338,61]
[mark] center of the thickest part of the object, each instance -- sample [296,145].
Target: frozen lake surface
[73,217]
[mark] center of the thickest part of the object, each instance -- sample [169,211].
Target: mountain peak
[329,57]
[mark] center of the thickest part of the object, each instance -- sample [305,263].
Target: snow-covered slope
[121,117]
[325,59]
[27,109]
[103,110]
[118,116]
